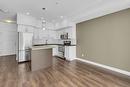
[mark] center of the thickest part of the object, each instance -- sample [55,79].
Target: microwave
[64,36]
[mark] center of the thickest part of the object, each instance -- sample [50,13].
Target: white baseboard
[70,59]
[7,54]
[114,70]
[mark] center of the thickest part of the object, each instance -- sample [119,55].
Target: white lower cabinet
[66,52]
[70,52]
[55,51]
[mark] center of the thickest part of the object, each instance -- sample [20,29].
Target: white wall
[8,38]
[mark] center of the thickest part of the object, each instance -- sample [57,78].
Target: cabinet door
[21,28]
[25,28]
[49,26]
[38,23]
[52,34]
[29,29]
[26,20]
[67,52]
[70,52]
[55,51]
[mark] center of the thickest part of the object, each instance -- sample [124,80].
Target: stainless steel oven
[61,48]
[61,51]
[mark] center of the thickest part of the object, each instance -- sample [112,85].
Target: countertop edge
[42,47]
[53,44]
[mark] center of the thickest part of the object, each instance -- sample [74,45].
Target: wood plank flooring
[61,74]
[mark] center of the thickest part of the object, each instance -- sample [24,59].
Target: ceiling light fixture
[27,13]
[43,21]
[43,28]
[44,9]
[43,24]
[61,17]
[8,21]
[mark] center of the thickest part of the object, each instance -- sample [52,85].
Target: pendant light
[43,21]
[43,24]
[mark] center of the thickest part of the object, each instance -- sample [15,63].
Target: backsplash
[52,41]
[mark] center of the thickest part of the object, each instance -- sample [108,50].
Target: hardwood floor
[8,72]
[61,74]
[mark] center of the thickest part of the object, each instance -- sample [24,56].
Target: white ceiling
[76,10]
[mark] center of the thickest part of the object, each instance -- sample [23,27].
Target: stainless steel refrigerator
[24,45]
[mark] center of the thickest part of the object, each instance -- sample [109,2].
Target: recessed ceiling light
[44,21]
[61,17]
[43,28]
[8,21]
[27,13]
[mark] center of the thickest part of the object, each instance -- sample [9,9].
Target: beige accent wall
[106,40]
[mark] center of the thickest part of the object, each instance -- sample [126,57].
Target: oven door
[61,50]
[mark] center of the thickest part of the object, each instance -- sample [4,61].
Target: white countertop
[43,47]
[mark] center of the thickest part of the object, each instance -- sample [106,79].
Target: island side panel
[41,59]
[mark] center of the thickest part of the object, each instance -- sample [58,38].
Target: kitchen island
[63,51]
[41,57]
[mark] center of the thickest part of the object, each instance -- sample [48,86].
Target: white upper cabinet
[26,20]
[38,23]
[25,28]
[32,21]
[49,26]
[63,24]
[70,52]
